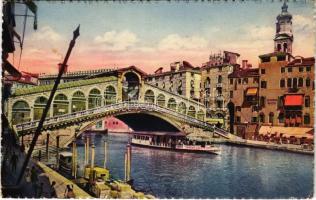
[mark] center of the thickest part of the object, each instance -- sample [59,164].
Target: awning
[293,100]
[252,91]
[297,132]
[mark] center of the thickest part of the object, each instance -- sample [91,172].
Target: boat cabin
[164,139]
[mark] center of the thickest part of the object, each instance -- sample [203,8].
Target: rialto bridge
[123,94]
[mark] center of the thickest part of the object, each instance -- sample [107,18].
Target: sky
[154,34]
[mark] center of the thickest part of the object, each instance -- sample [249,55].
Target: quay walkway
[273,146]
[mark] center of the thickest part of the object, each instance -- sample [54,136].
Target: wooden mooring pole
[92,163]
[105,153]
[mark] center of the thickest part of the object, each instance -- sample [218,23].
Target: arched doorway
[191,111]
[149,96]
[161,100]
[60,105]
[131,84]
[20,112]
[78,102]
[39,106]
[110,95]
[172,104]
[231,110]
[94,99]
[182,108]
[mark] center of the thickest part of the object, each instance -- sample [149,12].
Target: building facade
[244,100]
[215,93]
[182,79]
[286,93]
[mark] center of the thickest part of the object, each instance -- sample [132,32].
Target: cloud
[46,34]
[177,42]
[303,25]
[116,41]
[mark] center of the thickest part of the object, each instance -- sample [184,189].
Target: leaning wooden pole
[49,102]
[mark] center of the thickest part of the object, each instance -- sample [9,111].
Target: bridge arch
[94,98]
[110,95]
[78,101]
[182,108]
[60,105]
[192,111]
[21,112]
[161,100]
[39,106]
[172,104]
[149,96]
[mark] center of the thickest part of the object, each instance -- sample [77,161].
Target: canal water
[239,172]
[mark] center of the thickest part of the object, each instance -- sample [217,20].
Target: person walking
[53,193]
[13,161]
[69,193]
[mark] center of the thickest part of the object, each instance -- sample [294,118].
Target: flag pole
[41,122]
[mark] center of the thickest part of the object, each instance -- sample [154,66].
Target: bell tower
[284,36]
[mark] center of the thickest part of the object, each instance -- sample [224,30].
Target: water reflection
[238,172]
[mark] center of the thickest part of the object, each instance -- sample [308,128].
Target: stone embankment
[272,146]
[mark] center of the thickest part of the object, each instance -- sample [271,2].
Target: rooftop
[248,72]
[300,61]
[46,88]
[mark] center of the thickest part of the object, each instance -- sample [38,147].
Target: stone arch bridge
[123,94]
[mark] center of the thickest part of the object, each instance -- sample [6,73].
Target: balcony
[219,85]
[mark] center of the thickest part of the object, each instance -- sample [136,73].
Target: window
[280,101]
[282,83]
[301,69]
[300,82]
[263,71]
[281,118]
[245,80]
[271,115]
[306,119]
[239,81]
[308,68]
[254,119]
[238,108]
[308,82]
[261,117]
[294,82]
[307,101]
[262,101]
[231,81]
[256,80]
[238,119]
[263,84]
[289,69]
[282,69]
[219,69]
[220,79]
[231,94]
[289,82]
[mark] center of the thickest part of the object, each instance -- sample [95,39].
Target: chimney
[244,64]
[159,70]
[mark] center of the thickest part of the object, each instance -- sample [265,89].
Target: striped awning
[252,91]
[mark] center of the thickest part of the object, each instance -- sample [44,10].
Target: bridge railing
[183,98]
[124,106]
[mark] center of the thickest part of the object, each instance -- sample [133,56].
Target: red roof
[302,62]
[132,67]
[293,100]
